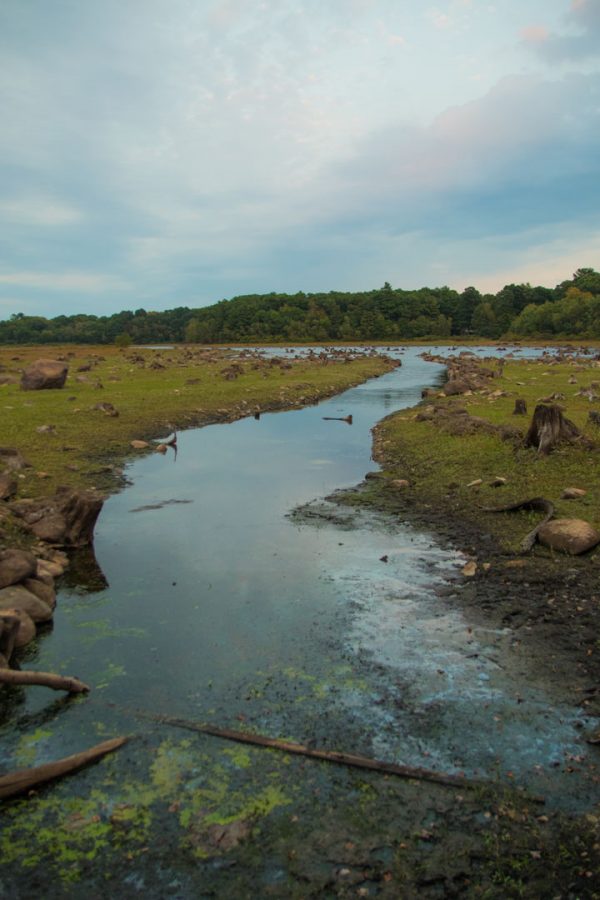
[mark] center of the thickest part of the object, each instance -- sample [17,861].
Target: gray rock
[12,460]
[18,597]
[41,590]
[26,630]
[8,486]
[573,536]
[16,565]
[44,374]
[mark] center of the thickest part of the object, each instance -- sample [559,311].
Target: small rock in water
[469,569]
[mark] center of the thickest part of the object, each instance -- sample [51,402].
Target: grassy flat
[154,392]
[440,466]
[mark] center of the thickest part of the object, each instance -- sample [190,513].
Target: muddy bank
[550,603]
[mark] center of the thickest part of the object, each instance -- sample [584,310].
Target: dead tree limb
[539,504]
[45,679]
[26,779]
[332,756]
[548,428]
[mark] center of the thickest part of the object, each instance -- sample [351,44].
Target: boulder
[456,386]
[12,460]
[15,565]
[41,590]
[66,518]
[26,629]
[18,597]
[48,567]
[571,536]
[51,528]
[8,486]
[44,374]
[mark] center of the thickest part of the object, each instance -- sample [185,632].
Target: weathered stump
[548,428]
[520,408]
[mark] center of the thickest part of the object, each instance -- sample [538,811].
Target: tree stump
[520,408]
[549,427]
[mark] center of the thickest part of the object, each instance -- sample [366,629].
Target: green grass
[151,404]
[440,466]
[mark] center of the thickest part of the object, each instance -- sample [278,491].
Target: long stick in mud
[26,779]
[333,756]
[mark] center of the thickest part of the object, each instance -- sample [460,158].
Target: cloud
[584,18]
[38,211]
[61,281]
[535,34]
[524,153]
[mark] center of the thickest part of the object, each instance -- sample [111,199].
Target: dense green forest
[571,309]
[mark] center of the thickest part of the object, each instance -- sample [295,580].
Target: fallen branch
[539,504]
[333,756]
[45,679]
[26,779]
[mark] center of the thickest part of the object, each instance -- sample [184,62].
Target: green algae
[111,672]
[65,833]
[27,747]
[101,629]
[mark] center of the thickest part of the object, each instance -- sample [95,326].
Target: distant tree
[123,340]
[484,321]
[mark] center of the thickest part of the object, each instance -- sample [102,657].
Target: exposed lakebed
[224,605]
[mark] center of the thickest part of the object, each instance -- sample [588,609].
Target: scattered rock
[18,597]
[469,569]
[66,518]
[573,536]
[41,590]
[161,448]
[572,493]
[107,408]
[456,386]
[26,630]
[16,565]
[13,460]
[400,483]
[139,445]
[44,374]
[8,486]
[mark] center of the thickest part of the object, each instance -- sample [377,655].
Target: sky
[162,153]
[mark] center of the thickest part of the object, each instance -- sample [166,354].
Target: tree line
[571,309]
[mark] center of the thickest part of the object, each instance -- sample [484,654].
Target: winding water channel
[222,607]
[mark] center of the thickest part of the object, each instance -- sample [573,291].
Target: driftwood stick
[45,679]
[25,779]
[332,756]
